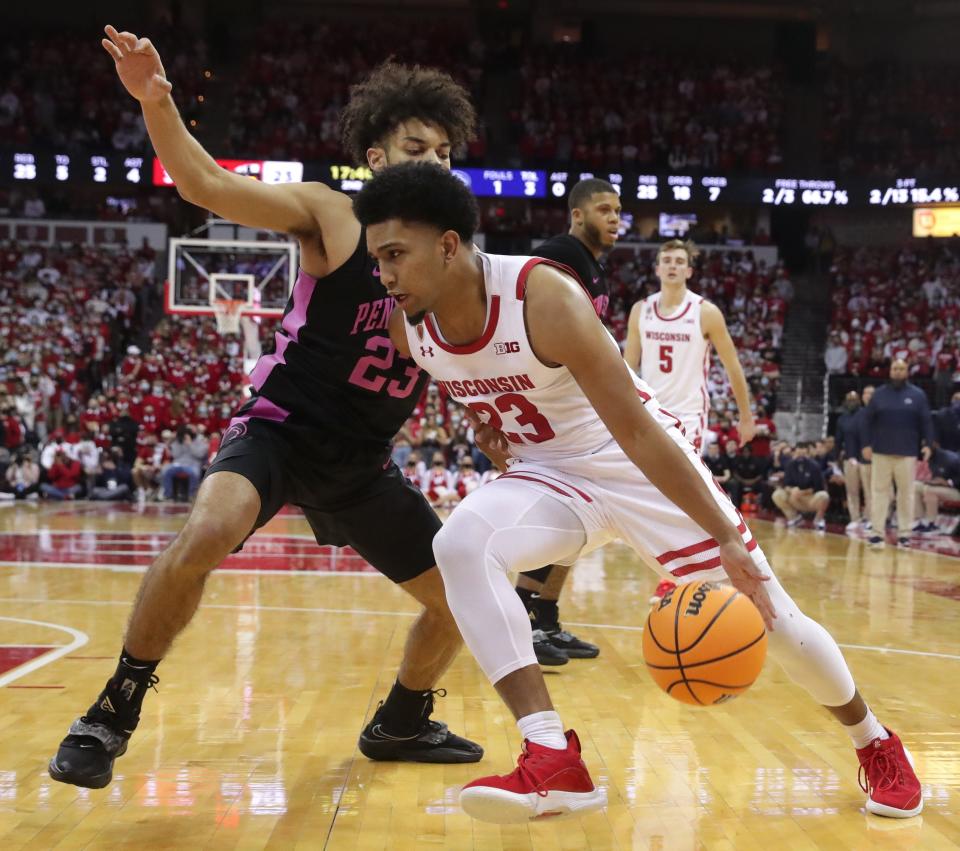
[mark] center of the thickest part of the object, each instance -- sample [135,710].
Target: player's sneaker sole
[499,806]
[893,812]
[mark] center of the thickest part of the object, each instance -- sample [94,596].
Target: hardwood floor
[250,741]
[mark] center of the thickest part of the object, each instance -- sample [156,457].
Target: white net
[228,312]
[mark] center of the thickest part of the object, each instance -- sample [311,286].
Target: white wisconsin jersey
[675,358]
[541,409]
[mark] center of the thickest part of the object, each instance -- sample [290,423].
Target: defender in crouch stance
[317,431]
[597,458]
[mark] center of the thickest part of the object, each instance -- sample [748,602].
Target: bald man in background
[897,426]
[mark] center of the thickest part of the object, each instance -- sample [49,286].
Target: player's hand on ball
[138,65]
[747,578]
[490,441]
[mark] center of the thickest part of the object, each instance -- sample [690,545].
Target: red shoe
[892,787]
[664,588]
[546,783]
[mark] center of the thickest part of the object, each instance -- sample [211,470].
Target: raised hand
[138,65]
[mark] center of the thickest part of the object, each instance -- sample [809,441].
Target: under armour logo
[426,351]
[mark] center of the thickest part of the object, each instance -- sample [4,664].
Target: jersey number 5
[365,372]
[666,359]
[527,415]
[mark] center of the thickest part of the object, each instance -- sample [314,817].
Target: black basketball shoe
[569,644]
[431,741]
[546,651]
[85,757]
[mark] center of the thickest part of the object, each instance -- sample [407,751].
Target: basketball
[704,643]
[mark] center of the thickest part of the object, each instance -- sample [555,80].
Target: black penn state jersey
[571,252]
[334,366]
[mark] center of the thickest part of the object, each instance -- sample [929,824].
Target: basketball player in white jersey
[597,458]
[669,335]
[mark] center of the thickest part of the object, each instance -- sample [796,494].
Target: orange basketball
[704,643]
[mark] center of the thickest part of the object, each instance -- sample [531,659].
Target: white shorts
[614,500]
[694,423]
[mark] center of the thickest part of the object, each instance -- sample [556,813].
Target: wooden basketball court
[251,740]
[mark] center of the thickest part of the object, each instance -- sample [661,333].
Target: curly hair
[394,93]
[423,193]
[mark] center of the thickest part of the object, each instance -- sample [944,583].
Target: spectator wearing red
[766,434]
[11,429]
[64,476]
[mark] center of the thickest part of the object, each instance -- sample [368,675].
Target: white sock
[866,731]
[543,728]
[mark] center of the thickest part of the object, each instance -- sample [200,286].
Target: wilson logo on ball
[704,644]
[696,601]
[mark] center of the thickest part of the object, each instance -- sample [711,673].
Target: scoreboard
[19,166]
[51,168]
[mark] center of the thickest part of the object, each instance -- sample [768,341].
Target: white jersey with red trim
[541,409]
[675,357]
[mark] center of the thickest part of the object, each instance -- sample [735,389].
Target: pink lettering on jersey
[376,315]
[363,310]
[375,308]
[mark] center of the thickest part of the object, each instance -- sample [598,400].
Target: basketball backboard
[203,271]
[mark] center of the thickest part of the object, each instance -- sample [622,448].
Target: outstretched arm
[294,208]
[564,329]
[714,327]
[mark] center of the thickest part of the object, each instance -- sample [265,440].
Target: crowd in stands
[651,109]
[887,119]
[288,96]
[154,426]
[60,90]
[892,303]
[65,312]
[144,204]
[648,110]
[84,411]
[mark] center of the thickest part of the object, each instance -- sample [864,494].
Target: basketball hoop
[227,312]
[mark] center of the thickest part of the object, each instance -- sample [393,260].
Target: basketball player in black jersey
[594,227]
[317,431]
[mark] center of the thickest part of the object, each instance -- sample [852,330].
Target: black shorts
[350,496]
